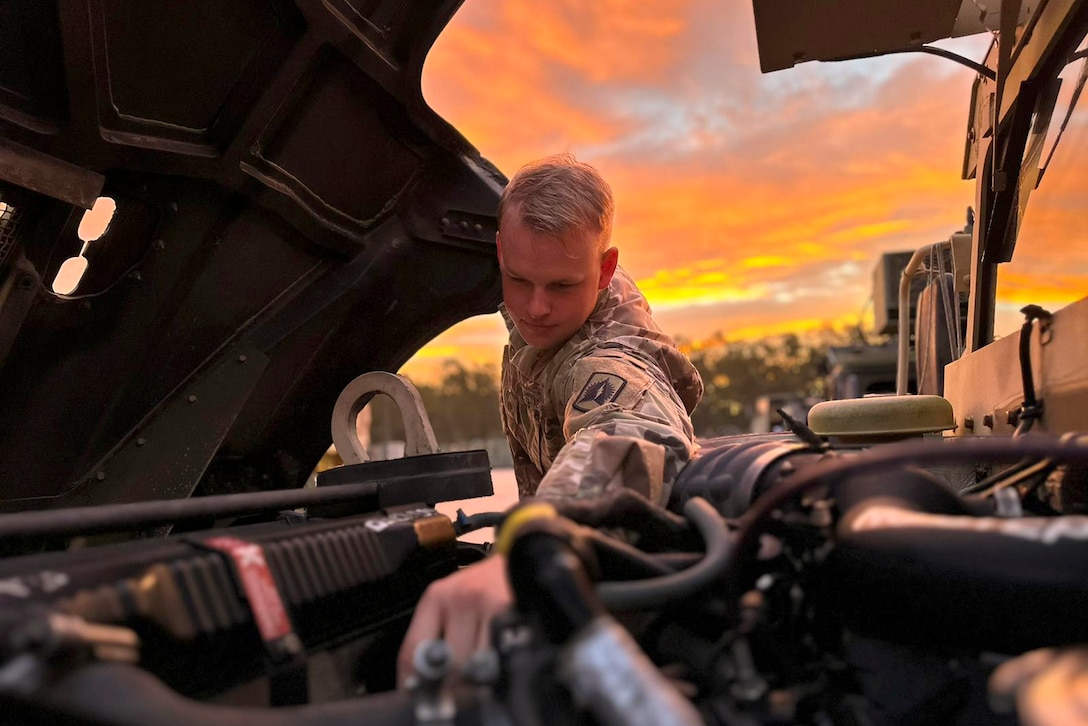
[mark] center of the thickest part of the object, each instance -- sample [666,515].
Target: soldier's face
[549,285]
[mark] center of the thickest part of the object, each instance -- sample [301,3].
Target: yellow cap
[519,517]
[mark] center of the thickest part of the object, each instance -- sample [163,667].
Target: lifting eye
[94,224]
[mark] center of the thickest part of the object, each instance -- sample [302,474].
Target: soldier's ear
[609,260]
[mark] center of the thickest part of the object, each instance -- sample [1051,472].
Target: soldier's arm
[625,427]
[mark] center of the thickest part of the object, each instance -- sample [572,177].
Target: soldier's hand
[458,608]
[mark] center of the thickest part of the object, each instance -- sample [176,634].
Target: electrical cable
[1032,408]
[940,52]
[470,523]
[950,303]
[1077,90]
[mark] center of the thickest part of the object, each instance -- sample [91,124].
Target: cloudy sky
[747,204]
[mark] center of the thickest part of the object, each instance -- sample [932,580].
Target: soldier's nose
[538,305]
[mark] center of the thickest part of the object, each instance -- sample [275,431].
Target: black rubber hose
[617,560]
[644,594]
[1032,408]
[629,510]
[549,579]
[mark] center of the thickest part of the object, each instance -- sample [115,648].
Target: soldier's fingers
[462,629]
[426,625]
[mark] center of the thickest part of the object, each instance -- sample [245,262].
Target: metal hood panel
[290,214]
[794,31]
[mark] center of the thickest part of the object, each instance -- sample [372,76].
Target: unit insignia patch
[601,388]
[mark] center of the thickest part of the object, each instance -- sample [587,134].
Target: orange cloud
[604,41]
[746,203]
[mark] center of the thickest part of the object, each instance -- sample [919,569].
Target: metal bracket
[469,226]
[417,425]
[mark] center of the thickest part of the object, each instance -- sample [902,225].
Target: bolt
[445,221]
[1012,418]
[436,657]
[136,276]
[100,475]
[969,423]
[242,359]
[988,420]
[464,225]
[160,244]
[141,441]
[432,660]
[192,399]
[479,228]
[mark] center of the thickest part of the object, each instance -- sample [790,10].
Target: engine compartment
[857,586]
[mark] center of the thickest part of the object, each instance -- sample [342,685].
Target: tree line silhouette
[464,404]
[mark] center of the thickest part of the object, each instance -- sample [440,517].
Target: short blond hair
[559,195]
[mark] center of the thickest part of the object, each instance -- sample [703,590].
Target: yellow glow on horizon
[761,261]
[798,326]
[1054,290]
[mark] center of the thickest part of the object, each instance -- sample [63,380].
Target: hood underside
[290,214]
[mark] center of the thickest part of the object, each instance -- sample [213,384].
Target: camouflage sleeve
[624,425]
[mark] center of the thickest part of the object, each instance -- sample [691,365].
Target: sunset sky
[747,204]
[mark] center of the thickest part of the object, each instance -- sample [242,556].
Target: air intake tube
[600,664]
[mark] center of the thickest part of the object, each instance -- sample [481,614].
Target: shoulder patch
[601,388]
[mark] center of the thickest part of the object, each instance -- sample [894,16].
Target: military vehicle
[290,221]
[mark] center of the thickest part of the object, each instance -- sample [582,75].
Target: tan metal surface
[985,385]
[1052,20]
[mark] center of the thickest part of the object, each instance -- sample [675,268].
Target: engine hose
[643,594]
[964,580]
[630,510]
[1069,447]
[599,662]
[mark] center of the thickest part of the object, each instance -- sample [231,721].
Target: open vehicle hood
[290,214]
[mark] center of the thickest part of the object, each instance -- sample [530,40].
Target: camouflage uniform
[607,409]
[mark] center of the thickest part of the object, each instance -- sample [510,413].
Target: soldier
[594,395]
